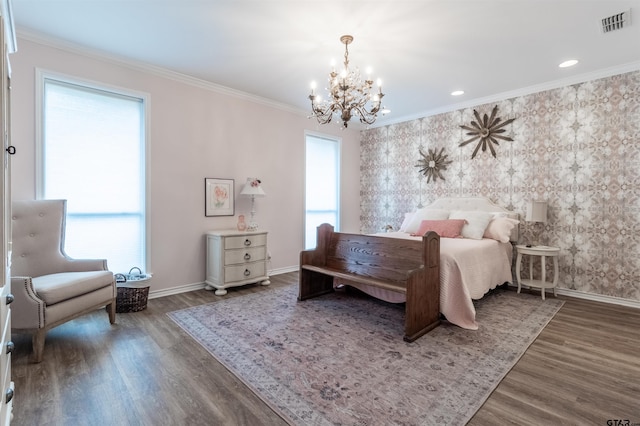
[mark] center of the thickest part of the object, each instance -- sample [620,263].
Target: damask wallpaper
[578,147]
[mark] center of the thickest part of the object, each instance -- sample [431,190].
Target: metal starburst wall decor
[488,130]
[433,164]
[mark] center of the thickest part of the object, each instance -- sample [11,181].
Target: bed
[471,264]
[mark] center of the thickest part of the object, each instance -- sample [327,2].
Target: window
[92,153]
[322,185]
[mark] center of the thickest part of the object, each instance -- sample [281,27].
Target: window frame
[41,75]
[338,141]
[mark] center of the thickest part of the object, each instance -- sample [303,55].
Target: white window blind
[322,186]
[93,155]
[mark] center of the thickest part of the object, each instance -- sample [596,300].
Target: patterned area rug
[340,358]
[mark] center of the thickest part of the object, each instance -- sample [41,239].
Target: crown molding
[217,88]
[152,69]
[555,84]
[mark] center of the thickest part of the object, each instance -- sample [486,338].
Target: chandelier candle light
[253,189]
[349,95]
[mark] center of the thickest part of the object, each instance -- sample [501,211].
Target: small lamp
[536,213]
[253,189]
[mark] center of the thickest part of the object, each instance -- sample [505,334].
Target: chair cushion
[56,288]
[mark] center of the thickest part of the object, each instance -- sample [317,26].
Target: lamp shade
[536,211]
[253,188]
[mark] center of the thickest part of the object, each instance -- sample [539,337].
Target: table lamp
[252,189]
[536,213]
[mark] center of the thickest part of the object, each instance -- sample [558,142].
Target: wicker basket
[131,299]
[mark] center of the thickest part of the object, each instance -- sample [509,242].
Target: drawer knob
[9,298]
[247,256]
[10,346]
[247,242]
[247,272]
[8,395]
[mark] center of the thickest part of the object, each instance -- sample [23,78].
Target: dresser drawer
[4,308]
[6,337]
[5,358]
[245,241]
[5,371]
[244,272]
[251,254]
[7,392]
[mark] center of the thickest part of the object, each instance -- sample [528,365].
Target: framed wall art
[218,197]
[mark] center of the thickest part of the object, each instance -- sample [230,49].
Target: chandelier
[349,95]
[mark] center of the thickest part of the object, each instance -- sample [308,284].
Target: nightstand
[236,258]
[542,252]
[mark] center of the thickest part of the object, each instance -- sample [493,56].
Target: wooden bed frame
[362,261]
[404,266]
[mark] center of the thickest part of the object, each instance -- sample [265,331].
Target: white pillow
[500,229]
[405,222]
[425,214]
[476,222]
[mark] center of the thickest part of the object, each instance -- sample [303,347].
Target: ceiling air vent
[616,22]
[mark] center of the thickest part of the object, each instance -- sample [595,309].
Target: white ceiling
[422,50]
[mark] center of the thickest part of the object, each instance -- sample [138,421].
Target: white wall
[195,132]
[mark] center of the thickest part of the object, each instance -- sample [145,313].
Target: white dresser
[236,258]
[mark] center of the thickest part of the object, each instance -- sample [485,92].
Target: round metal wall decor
[433,164]
[488,130]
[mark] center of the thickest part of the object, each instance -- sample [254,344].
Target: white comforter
[468,270]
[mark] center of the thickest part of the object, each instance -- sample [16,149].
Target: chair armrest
[81,265]
[27,309]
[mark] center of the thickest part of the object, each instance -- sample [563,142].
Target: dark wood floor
[584,369]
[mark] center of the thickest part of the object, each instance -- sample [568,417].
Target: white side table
[543,252]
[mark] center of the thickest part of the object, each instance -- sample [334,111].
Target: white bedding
[468,270]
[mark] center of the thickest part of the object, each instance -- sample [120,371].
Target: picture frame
[219,197]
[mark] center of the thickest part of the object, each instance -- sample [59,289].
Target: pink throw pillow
[449,228]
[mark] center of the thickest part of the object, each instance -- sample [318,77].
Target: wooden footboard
[405,266]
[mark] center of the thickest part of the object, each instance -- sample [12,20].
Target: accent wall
[577,147]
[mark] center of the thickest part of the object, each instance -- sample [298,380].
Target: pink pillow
[500,229]
[449,228]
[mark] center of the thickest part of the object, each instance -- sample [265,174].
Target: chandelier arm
[325,115]
[324,112]
[365,116]
[323,119]
[363,110]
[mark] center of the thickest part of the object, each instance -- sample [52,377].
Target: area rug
[339,359]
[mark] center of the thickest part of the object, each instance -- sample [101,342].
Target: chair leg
[37,340]
[111,309]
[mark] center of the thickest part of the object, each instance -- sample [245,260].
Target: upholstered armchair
[49,287]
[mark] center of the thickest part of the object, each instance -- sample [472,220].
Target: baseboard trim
[199,286]
[176,290]
[591,296]
[561,291]
[283,270]
[599,298]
